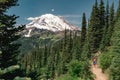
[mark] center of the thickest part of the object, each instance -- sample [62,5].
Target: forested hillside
[61,56]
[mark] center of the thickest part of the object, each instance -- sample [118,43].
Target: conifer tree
[100,29]
[93,29]
[111,25]
[104,39]
[70,46]
[83,32]
[75,46]
[86,53]
[102,14]
[118,12]
[8,36]
[45,55]
[64,53]
[107,16]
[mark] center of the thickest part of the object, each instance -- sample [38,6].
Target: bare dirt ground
[99,75]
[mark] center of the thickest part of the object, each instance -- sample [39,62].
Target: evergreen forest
[61,58]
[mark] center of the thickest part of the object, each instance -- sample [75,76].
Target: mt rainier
[50,22]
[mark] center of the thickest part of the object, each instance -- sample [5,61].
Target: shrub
[115,68]
[105,60]
[74,68]
[66,77]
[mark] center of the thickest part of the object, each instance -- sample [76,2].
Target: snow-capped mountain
[50,22]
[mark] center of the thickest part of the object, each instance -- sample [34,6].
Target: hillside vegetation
[61,56]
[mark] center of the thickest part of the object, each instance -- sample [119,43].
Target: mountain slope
[50,22]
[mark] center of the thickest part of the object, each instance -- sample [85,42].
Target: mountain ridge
[50,22]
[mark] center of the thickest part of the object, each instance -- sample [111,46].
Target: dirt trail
[98,73]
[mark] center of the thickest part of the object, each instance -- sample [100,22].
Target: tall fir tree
[86,49]
[111,25]
[70,46]
[93,29]
[118,12]
[5,4]
[45,55]
[100,29]
[104,39]
[107,16]
[8,36]
[83,32]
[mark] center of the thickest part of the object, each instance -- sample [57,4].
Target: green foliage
[105,60]
[67,77]
[118,12]
[24,78]
[79,69]
[6,4]
[9,34]
[83,33]
[75,68]
[54,58]
[104,39]
[2,1]
[111,23]
[9,69]
[111,58]
[96,27]
[38,39]
[115,68]
[115,41]
[100,28]
[66,58]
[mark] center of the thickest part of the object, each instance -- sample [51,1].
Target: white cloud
[71,16]
[30,18]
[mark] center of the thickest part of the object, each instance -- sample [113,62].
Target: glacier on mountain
[50,22]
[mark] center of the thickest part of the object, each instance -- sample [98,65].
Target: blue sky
[70,9]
